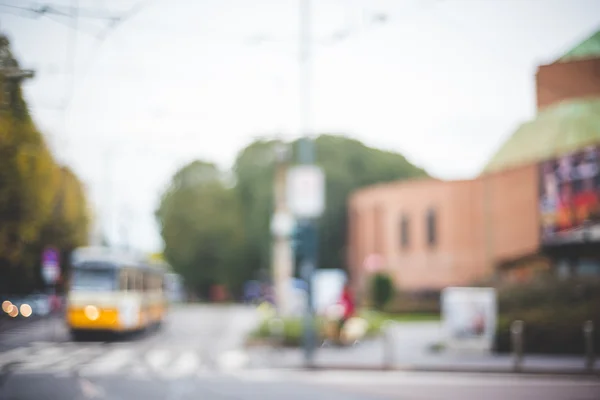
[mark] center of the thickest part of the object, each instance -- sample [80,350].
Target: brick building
[576,75]
[430,233]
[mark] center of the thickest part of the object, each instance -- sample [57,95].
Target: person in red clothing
[347,301]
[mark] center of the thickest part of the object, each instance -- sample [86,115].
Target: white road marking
[43,358]
[76,357]
[232,360]
[113,361]
[13,355]
[88,360]
[140,371]
[158,358]
[186,364]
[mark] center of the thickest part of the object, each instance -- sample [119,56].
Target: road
[198,354]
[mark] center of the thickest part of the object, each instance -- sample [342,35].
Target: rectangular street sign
[50,265]
[306,191]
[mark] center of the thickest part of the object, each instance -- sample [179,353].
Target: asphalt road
[198,354]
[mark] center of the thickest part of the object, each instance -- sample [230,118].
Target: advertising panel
[570,198]
[327,288]
[469,318]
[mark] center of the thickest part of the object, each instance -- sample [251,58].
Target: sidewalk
[410,351]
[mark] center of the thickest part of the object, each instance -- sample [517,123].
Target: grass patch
[376,319]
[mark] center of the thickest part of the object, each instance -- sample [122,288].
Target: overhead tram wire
[70,65]
[50,9]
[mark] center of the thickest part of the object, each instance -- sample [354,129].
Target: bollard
[277,331]
[388,345]
[517,329]
[588,335]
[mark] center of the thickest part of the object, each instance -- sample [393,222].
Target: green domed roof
[589,48]
[559,129]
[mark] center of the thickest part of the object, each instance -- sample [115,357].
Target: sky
[443,82]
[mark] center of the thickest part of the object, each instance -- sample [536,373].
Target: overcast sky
[443,82]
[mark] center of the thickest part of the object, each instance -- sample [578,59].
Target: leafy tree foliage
[348,165]
[41,203]
[200,220]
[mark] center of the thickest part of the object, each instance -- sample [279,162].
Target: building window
[404,232]
[431,228]
[379,236]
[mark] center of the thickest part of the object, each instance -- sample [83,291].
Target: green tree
[27,175]
[382,290]
[30,185]
[68,224]
[200,221]
[348,165]
[254,174]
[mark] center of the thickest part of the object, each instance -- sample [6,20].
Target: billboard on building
[570,198]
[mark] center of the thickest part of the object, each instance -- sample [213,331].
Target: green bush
[293,328]
[553,313]
[382,290]
[292,331]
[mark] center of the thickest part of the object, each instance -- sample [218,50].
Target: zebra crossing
[159,361]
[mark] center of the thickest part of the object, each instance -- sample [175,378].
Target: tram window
[139,281]
[130,281]
[123,281]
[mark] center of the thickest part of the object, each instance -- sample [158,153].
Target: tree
[382,290]
[348,165]
[68,224]
[200,223]
[254,173]
[30,185]
[27,174]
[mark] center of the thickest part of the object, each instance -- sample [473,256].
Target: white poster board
[327,287]
[305,192]
[469,317]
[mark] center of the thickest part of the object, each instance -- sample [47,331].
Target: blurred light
[6,306]
[26,310]
[14,311]
[91,312]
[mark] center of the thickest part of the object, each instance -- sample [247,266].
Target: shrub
[553,313]
[382,290]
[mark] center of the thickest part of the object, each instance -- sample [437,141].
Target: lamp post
[306,156]
[308,173]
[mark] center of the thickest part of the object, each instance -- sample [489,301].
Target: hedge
[553,313]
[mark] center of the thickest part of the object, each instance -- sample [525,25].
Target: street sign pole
[51,273]
[307,156]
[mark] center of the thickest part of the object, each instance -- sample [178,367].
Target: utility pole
[108,208]
[306,156]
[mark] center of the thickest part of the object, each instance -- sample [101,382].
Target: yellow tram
[113,292]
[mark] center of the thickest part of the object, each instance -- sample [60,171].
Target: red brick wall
[464,251]
[570,80]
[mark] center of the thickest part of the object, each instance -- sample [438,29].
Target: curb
[471,370]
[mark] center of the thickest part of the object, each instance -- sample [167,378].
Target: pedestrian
[347,302]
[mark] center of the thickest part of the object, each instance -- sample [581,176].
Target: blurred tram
[113,291]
